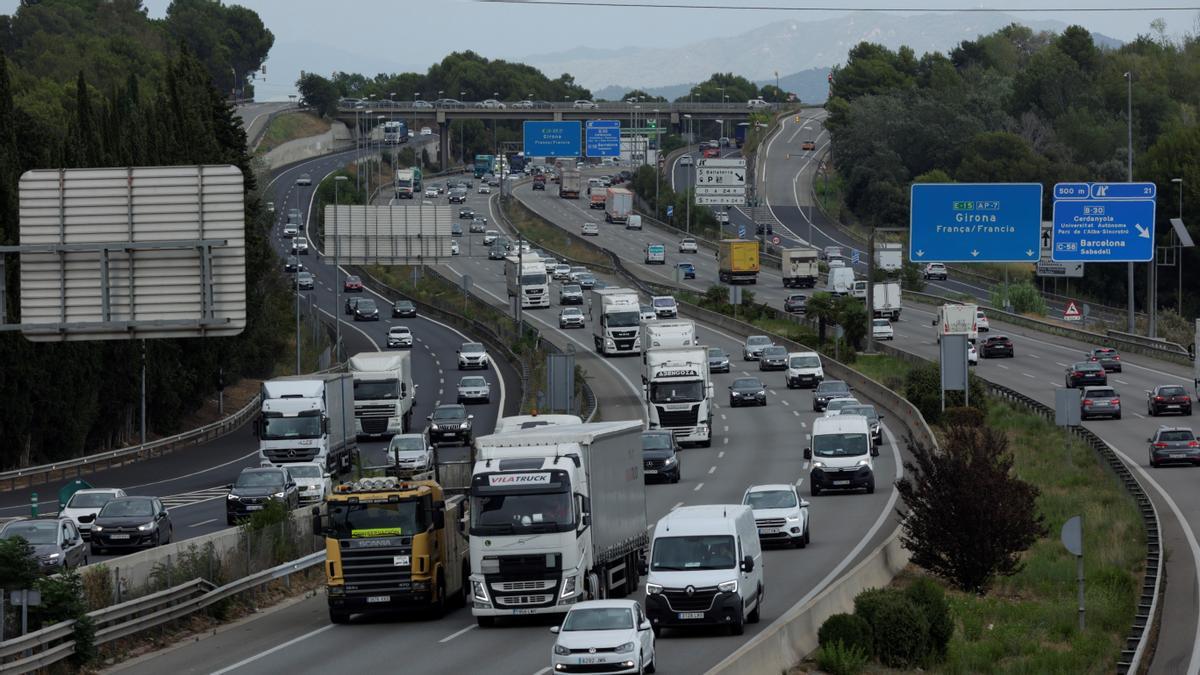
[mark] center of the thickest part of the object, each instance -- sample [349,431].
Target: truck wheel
[338,616]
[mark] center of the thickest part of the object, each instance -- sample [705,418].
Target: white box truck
[840,281]
[383,393]
[558,515]
[307,418]
[887,300]
[679,393]
[618,204]
[668,333]
[799,267]
[531,283]
[957,320]
[615,317]
[889,256]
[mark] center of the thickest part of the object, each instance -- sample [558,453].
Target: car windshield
[805,362]
[1106,352]
[840,445]
[656,442]
[774,352]
[352,280]
[305,276]
[450,412]
[882,322]
[34,532]
[676,392]
[623,319]
[696,552]
[361,521]
[578,270]
[90,500]
[1087,366]
[472,347]
[572,288]
[472,382]
[598,618]
[403,304]
[367,305]
[365,390]
[757,340]
[398,330]
[1172,391]
[866,411]
[120,508]
[1181,435]
[406,443]
[305,471]
[259,479]
[832,387]
[836,405]
[747,383]
[716,353]
[772,499]
[572,311]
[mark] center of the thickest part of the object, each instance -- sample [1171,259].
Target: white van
[706,568]
[804,370]
[841,454]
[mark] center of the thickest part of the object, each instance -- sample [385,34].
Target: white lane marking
[725,441]
[800,480]
[1120,381]
[1060,363]
[1000,365]
[1139,416]
[698,486]
[677,505]
[720,454]
[543,671]
[1027,375]
[712,470]
[726,428]
[796,413]
[784,401]
[272,650]
[1034,356]
[203,522]
[803,425]
[456,634]
[722,415]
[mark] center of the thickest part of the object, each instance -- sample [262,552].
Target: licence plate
[372,599]
[1174,455]
[691,615]
[119,536]
[1172,406]
[524,611]
[841,482]
[1101,404]
[587,660]
[651,472]
[254,507]
[768,530]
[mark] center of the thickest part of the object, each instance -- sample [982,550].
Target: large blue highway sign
[602,138]
[1103,222]
[551,139]
[975,222]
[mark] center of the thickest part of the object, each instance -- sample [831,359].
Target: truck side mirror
[808,453]
[643,567]
[325,425]
[439,515]
[316,522]
[748,564]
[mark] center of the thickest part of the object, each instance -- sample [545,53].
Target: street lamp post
[1131,323]
[1179,252]
[462,151]
[337,270]
[657,172]
[296,278]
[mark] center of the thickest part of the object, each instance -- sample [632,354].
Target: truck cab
[615,317]
[679,393]
[526,277]
[383,393]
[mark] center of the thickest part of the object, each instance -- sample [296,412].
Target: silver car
[472,355]
[410,453]
[1099,402]
[399,336]
[570,294]
[754,346]
[562,272]
[313,482]
[474,388]
[570,317]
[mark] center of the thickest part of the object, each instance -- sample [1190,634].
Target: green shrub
[901,633]
[963,417]
[922,387]
[868,602]
[847,629]
[928,596]
[838,659]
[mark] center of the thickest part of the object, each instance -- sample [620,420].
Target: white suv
[936,271]
[779,513]
[472,355]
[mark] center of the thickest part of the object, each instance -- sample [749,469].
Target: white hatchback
[84,504]
[609,636]
[399,336]
[591,228]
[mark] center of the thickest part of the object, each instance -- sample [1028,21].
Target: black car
[795,303]
[1085,373]
[764,228]
[131,522]
[748,390]
[1170,445]
[255,487]
[293,264]
[404,309]
[450,423]
[57,544]
[497,252]
[996,346]
[1107,357]
[660,453]
[366,310]
[351,303]
[1168,398]
[466,214]
[827,390]
[718,360]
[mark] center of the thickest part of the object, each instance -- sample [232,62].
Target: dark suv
[450,423]
[255,487]
[996,345]
[1107,357]
[1168,398]
[660,453]
[827,390]
[1174,444]
[1085,373]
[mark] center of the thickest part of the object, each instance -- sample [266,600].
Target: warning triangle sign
[1072,310]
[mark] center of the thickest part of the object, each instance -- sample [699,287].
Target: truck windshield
[676,392]
[538,279]
[377,390]
[622,319]
[275,428]
[516,513]
[361,521]
[697,552]
[839,445]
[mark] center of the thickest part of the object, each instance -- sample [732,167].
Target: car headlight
[479,590]
[560,650]
[433,427]
[147,526]
[231,497]
[97,528]
[568,588]
[669,461]
[728,587]
[864,462]
[818,465]
[625,648]
[793,519]
[52,556]
[653,589]
[465,425]
[279,495]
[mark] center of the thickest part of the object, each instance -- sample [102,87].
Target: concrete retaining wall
[337,138]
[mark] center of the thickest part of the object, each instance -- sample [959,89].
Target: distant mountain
[810,85]
[797,47]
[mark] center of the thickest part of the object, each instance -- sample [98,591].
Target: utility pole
[1131,324]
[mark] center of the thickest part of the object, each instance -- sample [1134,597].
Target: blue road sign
[1107,222]
[670,211]
[602,138]
[975,222]
[854,259]
[551,139]
[741,231]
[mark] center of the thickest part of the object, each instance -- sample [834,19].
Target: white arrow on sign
[921,253]
[975,253]
[1142,232]
[1029,252]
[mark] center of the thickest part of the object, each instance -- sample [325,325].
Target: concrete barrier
[337,138]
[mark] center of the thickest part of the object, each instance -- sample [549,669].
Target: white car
[570,294]
[881,329]
[472,355]
[399,336]
[304,179]
[83,506]
[299,246]
[665,307]
[484,189]
[688,245]
[757,103]
[313,482]
[585,105]
[804,370]
[575,272]
[981,321]
[453,248]
[474,388]
[972,355]
[410,452]
[570,317]
[779,513]
[686,160]
[562,272]
[835,405]
[647,313]
[936,271]
[592,229]
[595,633]
[490,237]
[426,131]
[431,192]
[491,103]
[754,345]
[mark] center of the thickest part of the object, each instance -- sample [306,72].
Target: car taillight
[1194,444]
[1158,398]
[1116,401]
[1160,444]
[1078,373]
[1087,401]
[1116,358]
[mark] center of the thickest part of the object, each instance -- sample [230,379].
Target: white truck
[679,393]
[618,204]
[840,281]
[307,418]
[887,297]
[383,393]
[615,316]
[889,256]
[957,320]
[668,333]
[406,183]
[799,267]
[526,278]
[558,515]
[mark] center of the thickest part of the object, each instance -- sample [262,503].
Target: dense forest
[1020,106]
[86,83]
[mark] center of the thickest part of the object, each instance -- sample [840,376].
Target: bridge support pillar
[444,144]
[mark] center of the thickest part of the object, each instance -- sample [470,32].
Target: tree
[772,94]
[319,93]
[821,307]
[646,98]
[968,517]
[852,317]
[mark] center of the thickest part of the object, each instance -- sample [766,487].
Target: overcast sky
[373,36]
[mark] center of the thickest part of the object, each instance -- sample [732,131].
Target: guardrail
[79,466]
[54,643]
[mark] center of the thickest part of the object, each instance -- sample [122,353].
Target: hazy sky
[373,36]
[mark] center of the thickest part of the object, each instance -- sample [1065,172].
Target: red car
[353,285]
